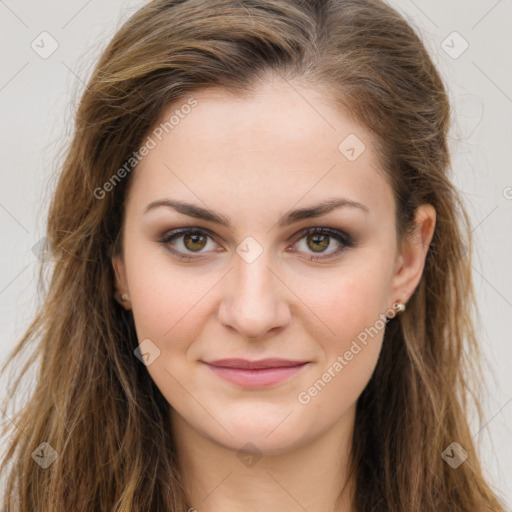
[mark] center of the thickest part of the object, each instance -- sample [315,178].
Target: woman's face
[257,285]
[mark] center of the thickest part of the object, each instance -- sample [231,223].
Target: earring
[125,297]
[399,307]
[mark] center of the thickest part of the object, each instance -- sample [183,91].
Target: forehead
[277,146]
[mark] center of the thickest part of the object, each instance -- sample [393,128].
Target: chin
[259,443]
[266,437]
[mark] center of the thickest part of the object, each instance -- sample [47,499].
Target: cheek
[338,312]
[352,308]
[167,310]
[344,302]
[165,299]
[355,303]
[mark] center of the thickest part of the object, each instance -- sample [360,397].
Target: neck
[312,477]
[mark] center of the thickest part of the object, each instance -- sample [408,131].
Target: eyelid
[168,236]
[342,237]
[339,235]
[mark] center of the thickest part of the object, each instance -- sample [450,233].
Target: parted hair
[94,402]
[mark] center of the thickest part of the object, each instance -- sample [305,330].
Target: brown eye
[194,241]
[318,243]
[183,243]
[314,243]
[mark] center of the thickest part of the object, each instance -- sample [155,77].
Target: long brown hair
[95,404]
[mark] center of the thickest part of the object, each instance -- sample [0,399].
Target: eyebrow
[289,218]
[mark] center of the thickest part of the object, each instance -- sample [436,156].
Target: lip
[255,374]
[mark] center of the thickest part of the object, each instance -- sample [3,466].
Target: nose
[255,300]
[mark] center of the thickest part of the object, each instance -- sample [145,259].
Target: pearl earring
[125,297]
[399,307]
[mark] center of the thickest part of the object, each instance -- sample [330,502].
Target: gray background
[38,97]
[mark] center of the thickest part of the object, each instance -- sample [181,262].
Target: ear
[411,259]
[121,283]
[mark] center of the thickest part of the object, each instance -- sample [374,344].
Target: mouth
[255,374]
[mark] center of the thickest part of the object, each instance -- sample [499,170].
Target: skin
[252,159]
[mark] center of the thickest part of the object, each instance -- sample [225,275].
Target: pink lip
[255,374]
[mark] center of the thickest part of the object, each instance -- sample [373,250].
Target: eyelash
[344,239]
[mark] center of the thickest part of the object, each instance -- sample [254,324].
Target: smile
[256,377]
